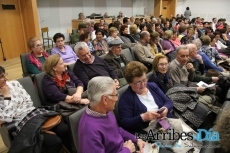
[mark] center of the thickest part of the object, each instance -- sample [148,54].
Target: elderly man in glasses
[98,129]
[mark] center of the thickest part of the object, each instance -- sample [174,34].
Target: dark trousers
[53,143]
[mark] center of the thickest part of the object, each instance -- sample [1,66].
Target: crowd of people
[178,52]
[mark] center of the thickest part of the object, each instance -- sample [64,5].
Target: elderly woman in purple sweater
[58,80]
[167,46]
[139,104]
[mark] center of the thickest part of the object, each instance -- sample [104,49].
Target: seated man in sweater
[98,121]
[198,64]
[180,70]
[143,50]
[89,66]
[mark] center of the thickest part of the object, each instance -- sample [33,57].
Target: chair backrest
[23,58]
[74,120]
[70,67]
[72,46]
[128,54]
[45,29]
[120,91]
[49,51]
[38,82]
[30,88]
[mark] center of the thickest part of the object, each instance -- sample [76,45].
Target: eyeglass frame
[140,82]
[38,45]
[3,76]
[163,64]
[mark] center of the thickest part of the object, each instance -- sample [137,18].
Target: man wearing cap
[115,58]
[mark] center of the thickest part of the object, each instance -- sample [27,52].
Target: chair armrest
[5,131]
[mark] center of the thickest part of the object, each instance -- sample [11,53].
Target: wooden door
[168,8]
[11,30]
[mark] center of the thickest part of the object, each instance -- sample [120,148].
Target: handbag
[51,123]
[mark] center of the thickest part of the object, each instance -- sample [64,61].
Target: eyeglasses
[139,83]
[117,95]
[163,64]
[38,45]
[3,76]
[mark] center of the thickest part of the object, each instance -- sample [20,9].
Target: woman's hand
[76,97]
[164,113]
[5,90]
[149,116]
[141,145]
[84,101]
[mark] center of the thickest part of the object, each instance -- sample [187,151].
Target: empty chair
[45,37]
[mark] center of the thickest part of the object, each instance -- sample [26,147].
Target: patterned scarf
[34,60]
[62,83]
[165,78]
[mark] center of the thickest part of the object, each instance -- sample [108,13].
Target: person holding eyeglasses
[37,56]
[138,105]
[160,73]
[98,130]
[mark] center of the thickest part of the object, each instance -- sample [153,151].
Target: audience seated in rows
[36,57]
[89,66]
[17,106]
[82,27]
[134,32]
[125,37]
[188,38]
[66,52]
[98,121]
[115,58]
[58,81]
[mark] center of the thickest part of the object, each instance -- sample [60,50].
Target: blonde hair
[51,62]
[112,30]
[30,42]
[133,29]
[167,34]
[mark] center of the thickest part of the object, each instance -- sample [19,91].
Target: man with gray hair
[89,66]
[98,129]
[180,71]
[143,50]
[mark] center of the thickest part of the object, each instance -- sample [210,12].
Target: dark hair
[187,8]
[117,24]
[125,20]
[58,35]
[212,36]
[96,26]
[2,70]
[141,26]
[83,36]
[123,27]
[99,30]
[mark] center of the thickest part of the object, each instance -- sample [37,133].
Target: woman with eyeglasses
[160,74]
[37,56]
[139,104]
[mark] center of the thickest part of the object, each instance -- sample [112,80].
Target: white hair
[98,86]
[80,46]
[198,43]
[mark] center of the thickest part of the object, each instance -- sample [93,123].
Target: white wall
[57,14]
[206,9]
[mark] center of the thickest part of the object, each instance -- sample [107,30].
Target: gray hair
[198,43]
[143,34]
[98,86]
[80,46]
[180,48]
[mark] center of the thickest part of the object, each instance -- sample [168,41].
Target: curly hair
[223,127]
[134,69]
